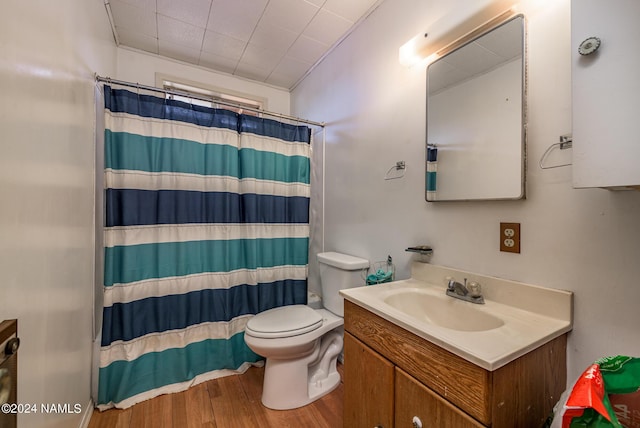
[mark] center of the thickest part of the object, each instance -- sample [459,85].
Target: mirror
[475,118]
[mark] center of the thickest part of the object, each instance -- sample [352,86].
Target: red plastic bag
[606,395]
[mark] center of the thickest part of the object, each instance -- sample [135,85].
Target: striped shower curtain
[207,224]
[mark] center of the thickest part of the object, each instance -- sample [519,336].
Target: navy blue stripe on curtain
[128,321]
[149,106]
[272,128]
[133,207]
[124,101]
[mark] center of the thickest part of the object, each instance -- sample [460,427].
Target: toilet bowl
[302,344]
[301,352]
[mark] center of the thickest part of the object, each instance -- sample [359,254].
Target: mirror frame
[470,38]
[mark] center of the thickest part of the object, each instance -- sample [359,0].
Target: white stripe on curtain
[137,235]
[164,128]
[125,179]
[156,342]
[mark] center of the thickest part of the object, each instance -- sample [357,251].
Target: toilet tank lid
[342,261]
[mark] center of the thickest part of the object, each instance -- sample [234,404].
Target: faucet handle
[475,289]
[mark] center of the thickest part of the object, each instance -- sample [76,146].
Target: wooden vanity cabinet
[392,375]
[370,379]
[413,399]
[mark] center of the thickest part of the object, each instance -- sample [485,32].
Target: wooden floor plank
[162,409]
[142,415]
[327,411]
[252,385]
[199,410]
[178,410]
[230,406]
[112,418]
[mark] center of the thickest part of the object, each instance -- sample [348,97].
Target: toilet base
[291,384]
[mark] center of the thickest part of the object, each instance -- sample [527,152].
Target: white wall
[50,51]
[140,67]
[587,241]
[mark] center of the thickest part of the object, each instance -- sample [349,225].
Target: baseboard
[86,417]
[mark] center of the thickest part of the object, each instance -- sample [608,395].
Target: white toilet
[302,344]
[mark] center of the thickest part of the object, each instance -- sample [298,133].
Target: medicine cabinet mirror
[476,120]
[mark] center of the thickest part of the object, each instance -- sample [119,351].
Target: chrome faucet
[469,293]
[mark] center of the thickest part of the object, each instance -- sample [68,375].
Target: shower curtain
[207,224]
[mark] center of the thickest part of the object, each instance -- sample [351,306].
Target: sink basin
[515,319]
[443,311]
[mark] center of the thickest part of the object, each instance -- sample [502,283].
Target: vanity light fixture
[428,46]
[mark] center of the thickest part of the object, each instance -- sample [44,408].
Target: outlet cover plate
[510,237]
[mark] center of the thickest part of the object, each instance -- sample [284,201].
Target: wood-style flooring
[232,401]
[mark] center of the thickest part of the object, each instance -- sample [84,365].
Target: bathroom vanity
[405,370]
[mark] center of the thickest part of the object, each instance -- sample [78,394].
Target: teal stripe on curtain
[126,151]
[124,264]
[273,166]
[135,377]
[210,226]
[136,152]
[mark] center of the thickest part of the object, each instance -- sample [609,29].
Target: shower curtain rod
[195,97]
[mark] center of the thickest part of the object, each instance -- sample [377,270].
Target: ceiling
[271,41]
[499,46]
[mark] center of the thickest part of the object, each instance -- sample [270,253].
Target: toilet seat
[285,321]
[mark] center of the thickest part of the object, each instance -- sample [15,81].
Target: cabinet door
[605,90]
[368,386]
[413,399]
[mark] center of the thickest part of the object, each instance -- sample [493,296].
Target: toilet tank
[337,272]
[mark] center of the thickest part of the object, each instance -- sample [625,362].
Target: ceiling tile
[178,52]
[194,12]
[443,75]
[293,15]
[179,33]
[351,10]
[327,27]
[281,80]
[506,42]
[149,5]
[217,62]
[292,67]
[133,18]
[236,18]
[252,72]
[258,56]
[139,40]
[307,49]
[472,58]
[273,37]
[223,45]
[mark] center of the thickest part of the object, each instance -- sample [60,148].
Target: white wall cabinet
[606,94]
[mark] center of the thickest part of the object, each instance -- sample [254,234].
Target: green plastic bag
[607,395]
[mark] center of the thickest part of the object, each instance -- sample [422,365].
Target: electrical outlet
[510,237]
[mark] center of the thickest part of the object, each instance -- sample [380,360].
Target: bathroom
[583,240]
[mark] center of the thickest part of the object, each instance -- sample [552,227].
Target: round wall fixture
[589,46]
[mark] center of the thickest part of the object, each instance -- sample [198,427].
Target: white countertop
[532,315]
